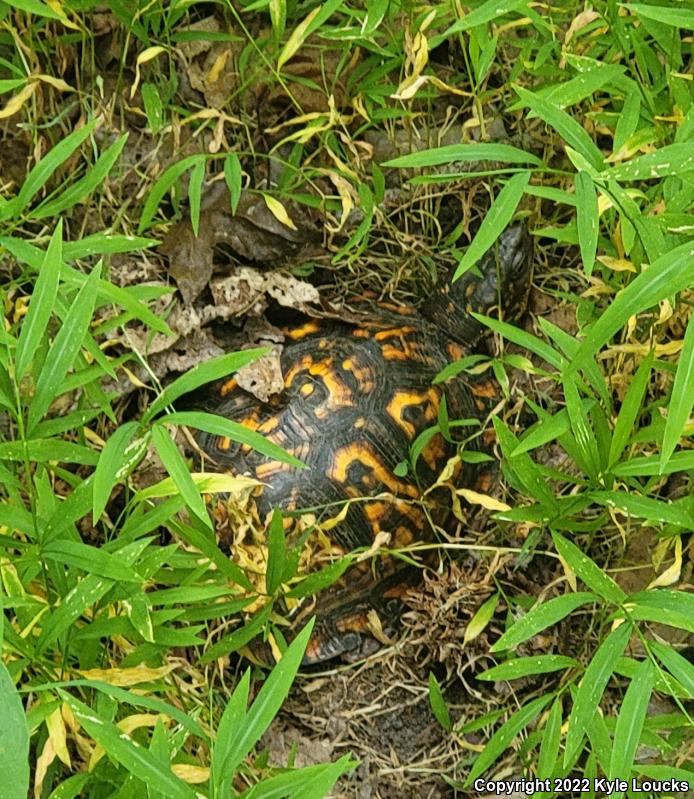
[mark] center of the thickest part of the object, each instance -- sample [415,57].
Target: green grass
[105,150]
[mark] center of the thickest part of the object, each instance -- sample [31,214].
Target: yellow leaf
[219,64]
[129,676]
[274,648]
[297,38]
[672,573]
[569,572]
[279,211]
[44,760]
[481,619]
[475,498]
[56,83]
[143,58]
[58,735]
[207,482]
[344,189]
[58,8]
[617,264]
[374,626]
[15,103]
[193,775]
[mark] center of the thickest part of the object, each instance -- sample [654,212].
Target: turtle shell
[355,399]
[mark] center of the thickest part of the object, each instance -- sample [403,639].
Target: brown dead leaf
[254,233]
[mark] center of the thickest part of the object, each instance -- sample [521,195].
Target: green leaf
[41,305]
[542,616]
[90,559]
[205,372]
[522,667]
[321,579]
[591,574]
[654,510]
[267,703]
[551,740]
[220,426]
[628,120]
[84,187]
[494,222]
[680,668]
[14,740]
[672,272]
[240,637]
[650,465]
[67,343]
[197,178]
[47,449]
[454,153]
[583,434]
[592,685]
[675,607]
[276,552]
[681,398]
[309,782]
[676,17]
[119,746]
[673,159]
[587,219]
[632,715]
[179,473]
[233,177]
[503,737]
[631,407]
[438,704]
[566,126]
[111,461]
[489,11]
[39,175]
[162,186]
[233,718]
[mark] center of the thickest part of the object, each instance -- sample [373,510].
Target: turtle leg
[354,624]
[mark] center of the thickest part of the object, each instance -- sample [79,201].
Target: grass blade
[179,472]
[436,156]
[84,187]
[630,721]
[162,186]
[522,667]
[276,553]
[110,462]
[592,686]
[219,426]
[591,574]
[669,274]
[234,716]
[495,221]
[566,126]
[199,375]
[268,702]
[503,737]
[41,305]
[197,178]
[631,407]
[681,398]
[38,176]
[587,219]
[541,616]
[67,343]
[14,740]
[140,762]
[680,668]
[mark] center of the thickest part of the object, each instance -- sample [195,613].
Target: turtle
[357,395]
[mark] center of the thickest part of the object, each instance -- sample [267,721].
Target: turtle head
[499,283]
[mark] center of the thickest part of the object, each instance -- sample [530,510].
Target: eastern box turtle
[356,396]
